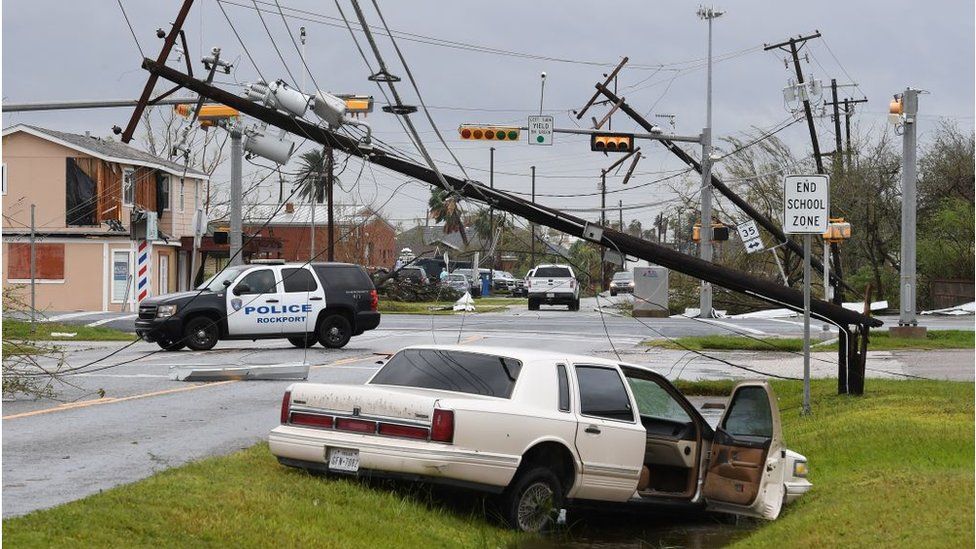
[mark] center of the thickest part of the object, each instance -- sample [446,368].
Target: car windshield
[457,278]
[459,371]
[552,272]
[621,276]
[223,278]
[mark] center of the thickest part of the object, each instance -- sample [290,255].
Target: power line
[131,30]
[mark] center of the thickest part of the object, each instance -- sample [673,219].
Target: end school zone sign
[806,204]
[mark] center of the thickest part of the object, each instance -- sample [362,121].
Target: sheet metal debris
[198,372]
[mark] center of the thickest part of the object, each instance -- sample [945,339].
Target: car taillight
[311,420]
[442,426]
[355,425]
[374,300]
[285,406]
[392,430]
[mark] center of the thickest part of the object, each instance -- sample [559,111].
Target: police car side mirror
[226,283]
[241,288]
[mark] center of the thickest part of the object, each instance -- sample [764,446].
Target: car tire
[532,501]
[533,304]
[613,293]
[171,346]
[334,332]
[303,342]
[575,305]
[201,333]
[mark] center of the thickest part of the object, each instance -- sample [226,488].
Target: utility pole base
[908,332]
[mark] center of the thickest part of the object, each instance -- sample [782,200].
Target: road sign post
[806,211]
[540,130]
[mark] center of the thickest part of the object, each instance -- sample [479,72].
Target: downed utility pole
[795,45]
[852,326]
[717,183]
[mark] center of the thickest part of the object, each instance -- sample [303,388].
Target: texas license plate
[550,294]
[342,459]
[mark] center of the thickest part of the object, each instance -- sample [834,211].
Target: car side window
[298,280]
[602,393]
[563,378]
[261,281]
[653,401]
[749,414]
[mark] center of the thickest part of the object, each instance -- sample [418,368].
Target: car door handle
[270,300]
[315,299]
[593,429]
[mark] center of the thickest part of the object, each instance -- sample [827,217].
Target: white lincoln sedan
[543,430]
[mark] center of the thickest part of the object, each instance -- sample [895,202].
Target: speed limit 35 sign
[749,234]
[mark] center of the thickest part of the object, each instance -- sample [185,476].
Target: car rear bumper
[393,457]
[558,298]
[367,320]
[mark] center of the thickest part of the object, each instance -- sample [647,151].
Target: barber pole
[143,253]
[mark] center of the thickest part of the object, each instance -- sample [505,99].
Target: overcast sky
[55,50]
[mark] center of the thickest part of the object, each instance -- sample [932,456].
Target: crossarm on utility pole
[717,184]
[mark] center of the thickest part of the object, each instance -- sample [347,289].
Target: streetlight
[705,306]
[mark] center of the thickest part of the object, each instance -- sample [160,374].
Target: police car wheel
[334,332]
[302,342]
[200,334]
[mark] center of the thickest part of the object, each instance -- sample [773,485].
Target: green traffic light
[500,134]
[513,135]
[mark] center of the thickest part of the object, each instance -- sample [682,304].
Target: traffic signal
[490,133]
[720,232]
[612,142]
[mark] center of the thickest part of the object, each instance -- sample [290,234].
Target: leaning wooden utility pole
[795,44]
[329,183]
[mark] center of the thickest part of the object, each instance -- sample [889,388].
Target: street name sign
[540,130]
[749,234]
[806,204]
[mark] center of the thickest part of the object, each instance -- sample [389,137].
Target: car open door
[745,468]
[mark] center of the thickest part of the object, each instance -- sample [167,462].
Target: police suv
[305,303]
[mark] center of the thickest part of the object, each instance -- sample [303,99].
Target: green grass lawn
[20,330]
[893,468]
[482,305]
[879,341]
[248,500]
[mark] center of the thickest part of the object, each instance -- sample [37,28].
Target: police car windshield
[216,282]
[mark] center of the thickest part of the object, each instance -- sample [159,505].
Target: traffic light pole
[532,225]
[603,223]
[908,291]
[236,190]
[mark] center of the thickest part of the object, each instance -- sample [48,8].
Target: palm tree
[311,167]
[444,208]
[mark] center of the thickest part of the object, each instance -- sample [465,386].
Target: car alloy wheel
[201,334]
[335,331]
[535,508]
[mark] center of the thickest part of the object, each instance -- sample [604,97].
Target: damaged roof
[106,149]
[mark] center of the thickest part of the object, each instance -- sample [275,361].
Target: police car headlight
[800,468]
[165,310]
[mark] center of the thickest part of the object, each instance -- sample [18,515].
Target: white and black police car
[301,302]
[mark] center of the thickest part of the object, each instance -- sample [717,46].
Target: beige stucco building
[84,189]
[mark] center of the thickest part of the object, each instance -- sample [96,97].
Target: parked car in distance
[622,282]
[322,302]
[544,430]
[553,285]
[413,274]
[458,282]
[502,282]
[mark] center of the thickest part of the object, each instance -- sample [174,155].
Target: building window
[121,275]
[128,187]
[48,260]
[165,192]
[196,195]
[4,179]
[180,205]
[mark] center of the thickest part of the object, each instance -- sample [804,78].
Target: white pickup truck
[543,430]
[552,285]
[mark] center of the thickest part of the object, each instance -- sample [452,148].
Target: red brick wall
[371,245]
